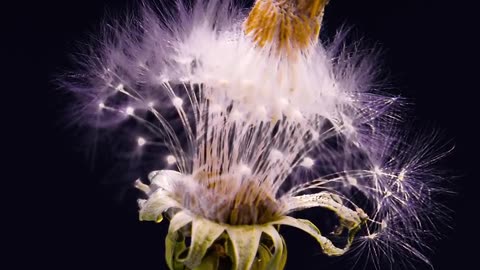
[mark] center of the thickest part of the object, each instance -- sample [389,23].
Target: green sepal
[283,260]
[279,256]
[245,241]
[204,234]
[174,246]
[175,240]
[263,258]
[210,262]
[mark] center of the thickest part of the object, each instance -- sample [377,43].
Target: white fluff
[244,115]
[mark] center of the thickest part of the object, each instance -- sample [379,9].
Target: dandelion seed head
[247,114]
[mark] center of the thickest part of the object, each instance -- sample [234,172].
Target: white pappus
[260,121]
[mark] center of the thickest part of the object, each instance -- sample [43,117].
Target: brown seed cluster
[227,200]
[289,26]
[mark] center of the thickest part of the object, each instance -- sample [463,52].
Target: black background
[68,213]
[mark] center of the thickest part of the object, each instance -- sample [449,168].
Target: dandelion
[260,121]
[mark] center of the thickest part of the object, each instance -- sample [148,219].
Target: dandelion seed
[384,224]
[171,160]
[244,170]
[377,170]
[120,87]
[215,108]
[276,155]
[129,110]
[352,181]
[141,141]
[308,162]
[177,102]
[401,175]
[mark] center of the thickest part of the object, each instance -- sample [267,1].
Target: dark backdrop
[68,213]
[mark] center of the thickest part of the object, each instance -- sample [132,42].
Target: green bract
[215,245]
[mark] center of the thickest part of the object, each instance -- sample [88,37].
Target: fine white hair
[223,106]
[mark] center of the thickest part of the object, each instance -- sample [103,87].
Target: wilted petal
[173,245]
[163,179]
[141,186]
[204,234]
[245,241]
[153,208]
[279,257]
[349,218]
[327,246]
